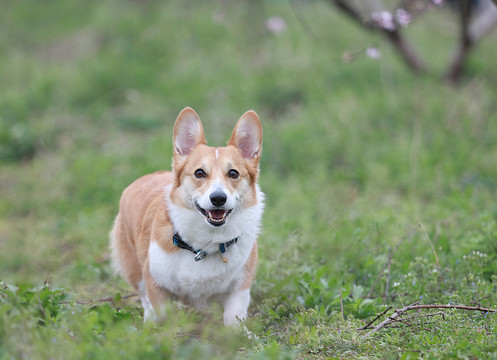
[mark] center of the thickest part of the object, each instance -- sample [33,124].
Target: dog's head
[215,181]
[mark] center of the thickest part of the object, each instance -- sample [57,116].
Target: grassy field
[381,185]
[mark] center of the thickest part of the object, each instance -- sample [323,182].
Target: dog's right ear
[188,132]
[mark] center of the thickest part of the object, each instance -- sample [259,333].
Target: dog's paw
[150,315]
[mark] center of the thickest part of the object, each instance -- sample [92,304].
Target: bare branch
[470,33]
[484,23]
[394,36]
[405,50]
[465,42]
[351,12]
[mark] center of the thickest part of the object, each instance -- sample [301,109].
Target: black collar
[200,254]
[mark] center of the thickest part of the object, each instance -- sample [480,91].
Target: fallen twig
[395,317]
[390,319]
[460,307]
[106,299]
[424,315]
[402,320]
[478,301]
[366,327]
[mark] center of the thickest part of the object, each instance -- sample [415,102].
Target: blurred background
[379,118]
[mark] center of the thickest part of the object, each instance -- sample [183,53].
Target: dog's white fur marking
[235,307]
[217,154]
[194,230]
[148,310]
[199,283]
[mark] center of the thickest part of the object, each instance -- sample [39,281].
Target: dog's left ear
[247,135]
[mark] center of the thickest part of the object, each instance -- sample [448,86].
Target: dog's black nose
[218,198]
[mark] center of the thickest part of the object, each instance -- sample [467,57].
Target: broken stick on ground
[397,315]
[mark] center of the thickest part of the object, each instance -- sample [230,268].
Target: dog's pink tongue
[217,214]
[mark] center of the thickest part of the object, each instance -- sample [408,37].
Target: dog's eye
[199,173]
[233,174]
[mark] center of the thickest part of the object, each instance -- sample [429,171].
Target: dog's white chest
[197,281]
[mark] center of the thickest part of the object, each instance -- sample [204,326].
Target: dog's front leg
[235,306]
[153,297]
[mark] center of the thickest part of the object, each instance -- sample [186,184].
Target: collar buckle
[200,254]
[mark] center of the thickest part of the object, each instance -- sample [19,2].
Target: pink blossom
[384,19]
[276,24]
[373,53]
[403,17]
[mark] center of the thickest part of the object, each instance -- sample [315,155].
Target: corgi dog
[191,234]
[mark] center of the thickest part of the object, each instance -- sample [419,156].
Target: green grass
[359,159]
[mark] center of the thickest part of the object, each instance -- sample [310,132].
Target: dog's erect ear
[188,132]
[247,135]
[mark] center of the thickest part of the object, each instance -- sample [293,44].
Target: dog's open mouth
[215,217]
